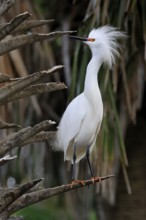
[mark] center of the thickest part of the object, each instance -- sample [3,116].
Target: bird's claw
[95,179]
[82,182]
[76,182]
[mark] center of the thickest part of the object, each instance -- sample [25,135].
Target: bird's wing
[71,122]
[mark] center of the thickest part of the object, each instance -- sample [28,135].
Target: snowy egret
[81,121]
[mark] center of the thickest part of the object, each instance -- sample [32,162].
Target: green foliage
[37,213]
[50,209]
[93,216]
[40,6]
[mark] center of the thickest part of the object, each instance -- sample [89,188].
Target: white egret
[81,121]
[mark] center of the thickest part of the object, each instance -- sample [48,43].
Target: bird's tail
[53,141]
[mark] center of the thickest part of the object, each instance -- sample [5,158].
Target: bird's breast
[87,133]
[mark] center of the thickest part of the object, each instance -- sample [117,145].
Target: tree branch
[17,86]
[6,159]
[27,25]
[49,136]
[4,78]
[21,136]
[13,43]
[7,28]
[36,90]
[34,197]
[5,6]
[9,197]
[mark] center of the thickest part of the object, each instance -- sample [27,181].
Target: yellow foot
[76,182]
[95,179]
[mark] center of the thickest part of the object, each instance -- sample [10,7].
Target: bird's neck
[91,88]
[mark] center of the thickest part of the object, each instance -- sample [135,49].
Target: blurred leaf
[74,72]
[119,132]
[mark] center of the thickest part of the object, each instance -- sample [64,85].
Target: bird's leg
[90,168]
[88,160]
[74,181]
[74,164]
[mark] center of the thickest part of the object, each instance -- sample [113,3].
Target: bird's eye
[91,39]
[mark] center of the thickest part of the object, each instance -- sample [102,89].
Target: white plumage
[82,118]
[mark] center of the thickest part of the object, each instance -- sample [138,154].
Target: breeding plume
[82,118]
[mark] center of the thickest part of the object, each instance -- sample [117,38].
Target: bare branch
[36,90]
[17,86]
[34,197]
[21,136]
[4,125]
[7,198]
[41,137]
[7,28]
[27,25]
[6,159]
[13,43]
[5,6]
[4,78]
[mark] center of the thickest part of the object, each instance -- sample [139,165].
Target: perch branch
[21,136]
[36,90]
[13,43]
[5,6]
[34,197]
[7,28]
[6,159]
[17,86]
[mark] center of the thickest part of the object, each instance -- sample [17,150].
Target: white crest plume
[106,39]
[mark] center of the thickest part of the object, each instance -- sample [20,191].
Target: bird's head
[103,43]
